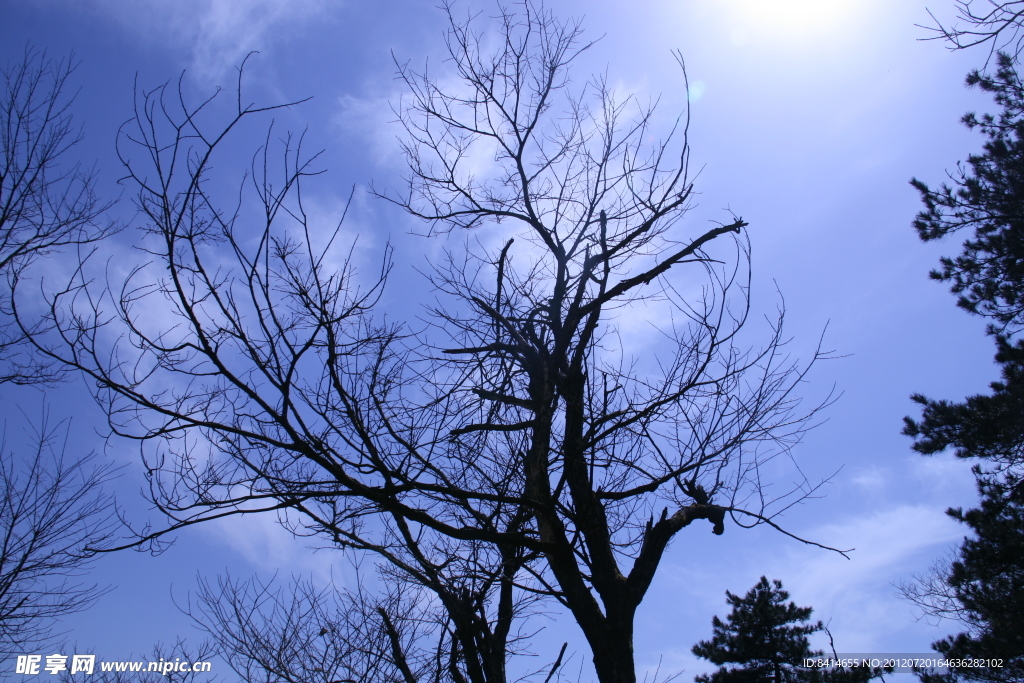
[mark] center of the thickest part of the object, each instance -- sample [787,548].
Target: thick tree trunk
[613,655]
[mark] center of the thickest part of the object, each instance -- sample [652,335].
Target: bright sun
[792,19]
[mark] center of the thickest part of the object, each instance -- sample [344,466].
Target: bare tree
[526,454]
[993,22]
[46,203]
[267,305]
[930,592]
[612,456]
[50,509]
[308,634]
[51,506]
[303,633]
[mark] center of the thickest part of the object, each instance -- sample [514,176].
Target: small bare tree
[303,633]
[527,454]
[45,202]
[50,509]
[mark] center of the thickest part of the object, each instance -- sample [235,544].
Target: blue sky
[808,119]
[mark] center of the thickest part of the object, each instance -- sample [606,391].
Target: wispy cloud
[268,547]
[371,119]
[215,34]
[859,595]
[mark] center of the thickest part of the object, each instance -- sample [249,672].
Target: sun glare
[790,20]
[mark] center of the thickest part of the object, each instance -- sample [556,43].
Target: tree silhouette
[765,638]
[993,22]
[51,508]
[51,502]
[515,454]
[981,585]
[988,584]
[987,197]
[46,202]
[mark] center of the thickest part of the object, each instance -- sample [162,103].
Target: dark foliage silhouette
[764,638]
[981,584]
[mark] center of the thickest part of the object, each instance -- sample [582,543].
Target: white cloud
[859,593]
[262,542]
[372,120]
[217,34]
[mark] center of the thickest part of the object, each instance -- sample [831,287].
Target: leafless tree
[930,592]
[612,456]
[50,509]
[257,308]
[309,634]
[519,451]
[301,634]
[51,505]
[46,202]
[304,633]
[996,23]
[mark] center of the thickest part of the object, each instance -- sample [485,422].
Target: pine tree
[767,639]
[763,635]
[984,586]
[987,197]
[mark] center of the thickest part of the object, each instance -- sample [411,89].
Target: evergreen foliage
[763,635]
[987,277]
[988,583]
[986,426]
[984,585]
[766,639]
[988,196]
